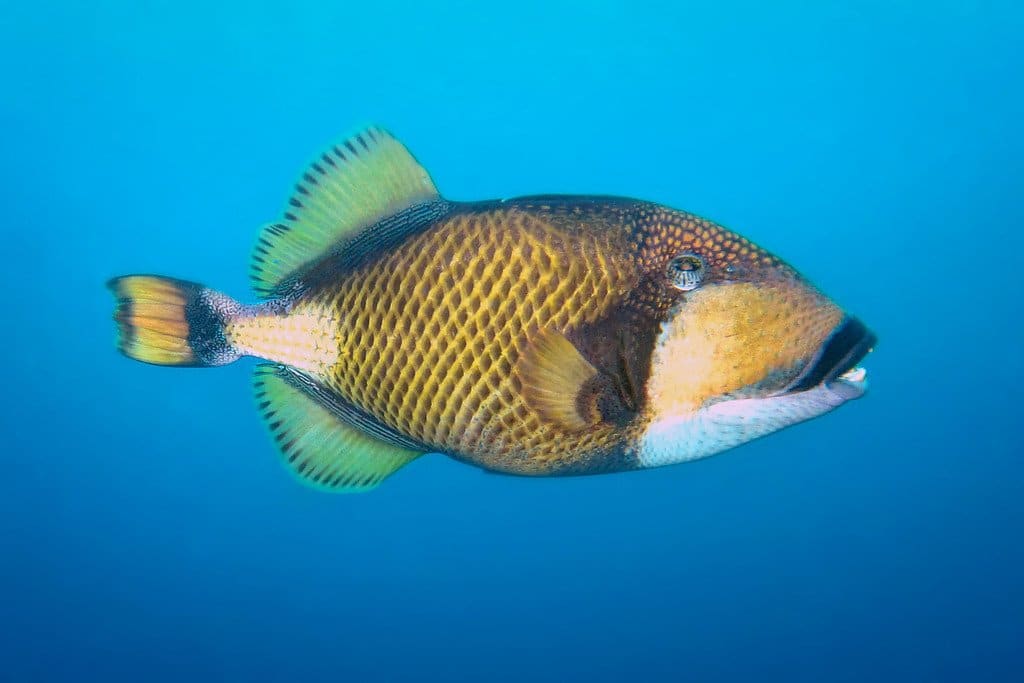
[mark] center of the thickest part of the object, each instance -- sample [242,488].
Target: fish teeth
[854,375]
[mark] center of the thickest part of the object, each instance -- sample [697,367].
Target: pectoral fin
[565,388]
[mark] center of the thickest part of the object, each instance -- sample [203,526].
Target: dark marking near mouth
[849,343]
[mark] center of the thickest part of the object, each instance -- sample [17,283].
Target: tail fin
[164,321]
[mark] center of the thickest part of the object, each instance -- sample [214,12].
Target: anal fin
[316,440]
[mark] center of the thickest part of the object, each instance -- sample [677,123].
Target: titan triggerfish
[542,335]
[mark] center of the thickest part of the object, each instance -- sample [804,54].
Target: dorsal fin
[351,187]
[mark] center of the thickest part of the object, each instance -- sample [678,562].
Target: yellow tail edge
[166,321]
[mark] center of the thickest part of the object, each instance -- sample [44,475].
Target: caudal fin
[164,321]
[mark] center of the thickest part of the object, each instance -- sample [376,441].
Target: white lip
[854,375]
[688,436]
[851,384]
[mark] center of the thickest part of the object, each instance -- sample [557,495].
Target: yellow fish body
[539,336]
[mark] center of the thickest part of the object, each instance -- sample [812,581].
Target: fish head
[745,347]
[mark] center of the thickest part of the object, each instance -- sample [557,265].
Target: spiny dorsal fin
[349,188]
[555,376]
[321,448]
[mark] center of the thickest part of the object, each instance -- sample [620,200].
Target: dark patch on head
[619,346]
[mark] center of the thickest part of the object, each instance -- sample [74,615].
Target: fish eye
[686,271]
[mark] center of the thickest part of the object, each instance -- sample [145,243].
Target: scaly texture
[426,335]
[430,333]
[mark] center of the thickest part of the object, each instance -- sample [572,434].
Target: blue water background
[149,531]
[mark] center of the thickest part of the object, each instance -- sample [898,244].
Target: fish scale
[541,335]
[452,387]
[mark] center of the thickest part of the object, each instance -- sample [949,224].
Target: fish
[542,335]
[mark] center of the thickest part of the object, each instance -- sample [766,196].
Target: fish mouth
[835,366]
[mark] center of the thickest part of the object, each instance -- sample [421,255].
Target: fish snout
[835,365]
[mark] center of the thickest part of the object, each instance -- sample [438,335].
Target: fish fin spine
[346,191]
[318,442]
[165,321]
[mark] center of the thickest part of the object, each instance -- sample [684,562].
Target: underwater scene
[512,342]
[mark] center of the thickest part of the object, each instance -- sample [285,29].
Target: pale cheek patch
[729,338]
[698,434]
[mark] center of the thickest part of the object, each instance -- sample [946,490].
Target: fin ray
[164,321]
[317,443]
[553,375]
[348,189]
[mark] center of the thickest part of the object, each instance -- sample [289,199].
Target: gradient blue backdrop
[148,531]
